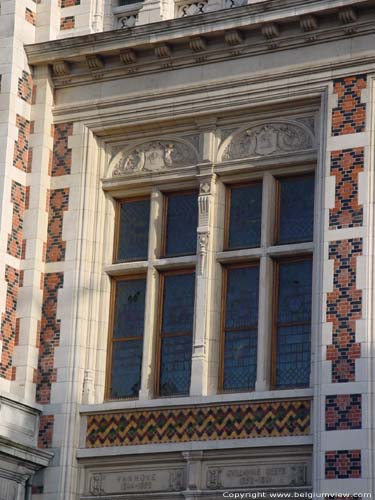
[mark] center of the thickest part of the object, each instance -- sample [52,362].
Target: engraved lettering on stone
[262,475]
[140,480]
[176,479]
[214,478]
[270,139]
[96,484]
[154,156]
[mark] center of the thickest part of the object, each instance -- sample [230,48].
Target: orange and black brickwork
[67,23]
[21,145]
[343,412]
[349,117]
[62,154]
[46,423]
[58,204]
[16,243]
[216,422]
[343,464]
[25,87]
[345,166]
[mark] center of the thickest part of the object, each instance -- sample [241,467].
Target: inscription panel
[135,481]
[259,476]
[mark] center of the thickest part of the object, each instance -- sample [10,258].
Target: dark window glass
[296,211]
[241,328]
[133,230]
[293,324]
[176,334]
[127,339]
[182,221]
[245,216]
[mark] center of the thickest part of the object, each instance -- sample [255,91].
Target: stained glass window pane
[296,209]
[241,321]
[133,230]
[130,308]
[176,333]
[178,303]
[294,324]
[126,369]
[182,221]
[240,360]
[245,216]
[175,365]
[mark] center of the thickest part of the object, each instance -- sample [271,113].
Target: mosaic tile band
[200,423]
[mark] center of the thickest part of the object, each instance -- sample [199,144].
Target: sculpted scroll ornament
[154,156]
[269,139]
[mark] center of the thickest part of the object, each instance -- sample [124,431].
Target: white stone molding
[197,44]
[128,56]
[308,23]
[233,37]
[94,62]
[61,68]
[347,15]
[270,30]
[153,156]
[163,50]
[266,139]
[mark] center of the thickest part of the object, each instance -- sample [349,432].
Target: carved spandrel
[268,139]
[261,475]
[153,157]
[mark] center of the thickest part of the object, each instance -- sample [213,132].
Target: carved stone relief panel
[153,156]
[259,476]
[276,137]
[141,480]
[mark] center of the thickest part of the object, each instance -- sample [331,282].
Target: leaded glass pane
[245,216]
[130,308]
[294,324]
[241,322]
[182,221]
[242,297]
[126,369]
[133,230]
[296,209]
[240,360]
[175,365]
[178,303]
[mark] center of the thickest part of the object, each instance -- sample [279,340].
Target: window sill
[197,400]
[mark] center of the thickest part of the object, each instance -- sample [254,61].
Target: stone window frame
[267,255]
[155,265]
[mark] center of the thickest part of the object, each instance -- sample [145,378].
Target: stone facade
[215,93]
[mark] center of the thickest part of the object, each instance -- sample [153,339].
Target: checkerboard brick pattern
[30,16]
[21,145]
[57,205]
[345,166]
[16,244]
[344,307]
[49,337]
[349,117]
[62,154]
[67,23]
[69,3]
[204,423]
[343,464]
[9,323]
[25,87]
[46,423]
[343,412]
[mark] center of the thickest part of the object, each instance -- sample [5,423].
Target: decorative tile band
[343,464]
[16,244]
[199,423]
[344,307]
[343,412]
[58,204]
[45,431]
[25,87]
[349,117]
[49,337]
[62,154]
[345,166]
[9,323]
[21,145]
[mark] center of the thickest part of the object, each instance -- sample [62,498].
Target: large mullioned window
[266,275]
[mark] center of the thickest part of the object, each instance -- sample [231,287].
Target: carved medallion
[153,157]
[268,139]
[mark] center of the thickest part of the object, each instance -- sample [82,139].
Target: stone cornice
[226,33]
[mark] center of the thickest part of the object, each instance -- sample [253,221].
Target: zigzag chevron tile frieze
[200,423]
